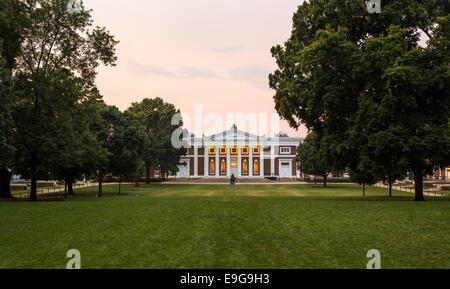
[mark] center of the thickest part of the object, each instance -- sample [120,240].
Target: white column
[206,162]
[250,160]
[228,162]
[239,162]
[261,164]
[272,160]
[195,161]
[217,163]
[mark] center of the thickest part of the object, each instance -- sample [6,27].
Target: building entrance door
[285,170]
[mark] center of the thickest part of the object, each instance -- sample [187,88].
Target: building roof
[235,136]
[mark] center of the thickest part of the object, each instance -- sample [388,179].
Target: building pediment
[233,135]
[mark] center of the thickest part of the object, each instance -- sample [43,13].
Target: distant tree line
[53,121]
[374,100]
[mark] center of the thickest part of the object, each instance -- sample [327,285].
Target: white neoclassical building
[239,153]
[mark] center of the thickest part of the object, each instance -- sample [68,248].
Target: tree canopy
[345,72]
[156,116]
[53,45]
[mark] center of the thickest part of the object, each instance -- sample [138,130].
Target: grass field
[210,226]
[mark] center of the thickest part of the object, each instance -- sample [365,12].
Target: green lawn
[210,226]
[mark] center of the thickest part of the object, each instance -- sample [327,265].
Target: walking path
[410,190]
[85,185]
[42,192]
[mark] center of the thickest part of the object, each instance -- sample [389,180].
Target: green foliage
[127,147]
[6,107]
[307,159]
[156,116]
[12,21]
[54,72]
[317,157]
[377,101]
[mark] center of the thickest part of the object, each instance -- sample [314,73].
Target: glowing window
[212,150]
[223,150]
[256,150]
[245,150]
[223,167]
[245,167]
[212,170]
[256,167]
[234,150]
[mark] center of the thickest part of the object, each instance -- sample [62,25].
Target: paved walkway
[85,185]
[410,190]
[61,190]
[227,183]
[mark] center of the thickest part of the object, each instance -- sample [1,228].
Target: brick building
[239,153]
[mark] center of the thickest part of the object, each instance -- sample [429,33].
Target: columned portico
[217,170]
[239,161]
[251,163]
[262,161]
[272,160]
[228,163]
[195,162]
[240,153]
[206,168]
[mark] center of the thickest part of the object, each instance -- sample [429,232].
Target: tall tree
[324,78]
[12,20]
[127,148]
[313,159]
[73,150]
[56,40]
[107,129]
[156,116]
[6,148]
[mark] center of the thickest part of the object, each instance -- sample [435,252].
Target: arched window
[245,167]
[223,167]
[212,170]
[256,167]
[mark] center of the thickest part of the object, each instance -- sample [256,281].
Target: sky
[209,53]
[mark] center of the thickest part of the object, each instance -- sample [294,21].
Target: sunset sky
[214,53]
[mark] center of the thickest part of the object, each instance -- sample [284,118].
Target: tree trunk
[5,180]
[325,181]
[65,189]
[418,184]
[120,182]
[70,187]
[364,190]
[33,176]
[147,180]
[100,192]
